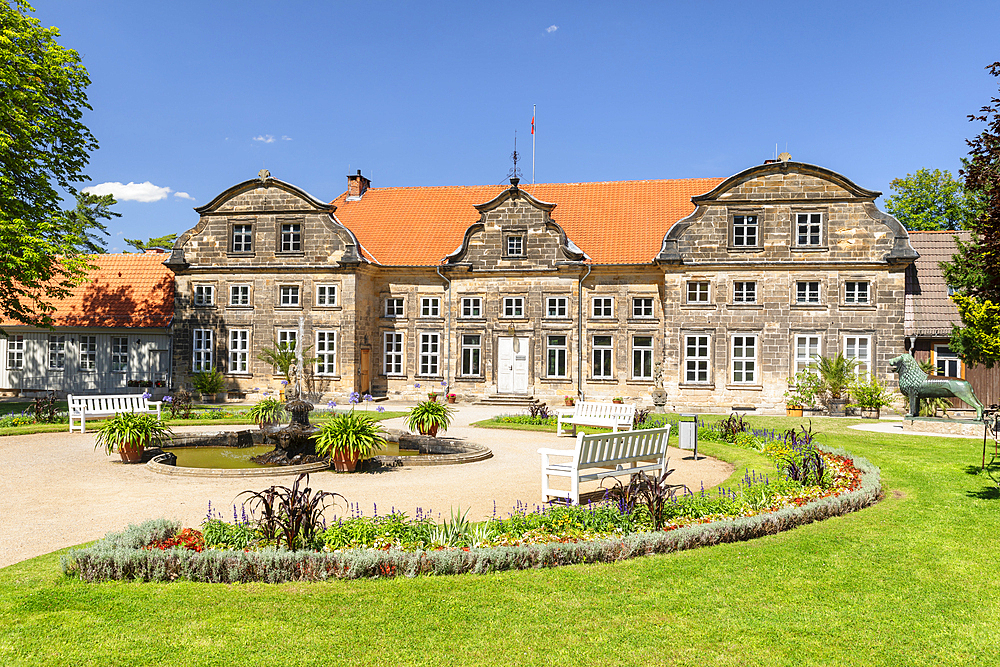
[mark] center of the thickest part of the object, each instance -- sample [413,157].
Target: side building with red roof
[110,335]
[714,290]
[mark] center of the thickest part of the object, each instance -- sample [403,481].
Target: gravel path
[58,491]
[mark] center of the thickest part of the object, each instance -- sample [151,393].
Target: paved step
[508,401]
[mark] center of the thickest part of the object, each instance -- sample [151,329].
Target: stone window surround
[211,294]
[593,300]
[823,230]
[605,350]
[756,292]
[757,383]
[794,336]
[710,300]
[248,304]
[335,354]
[632,377]
[433,302]
[462,347]
[461,307]
[386,298]
[868,305]
[652,315]
[683,382]
[567,347]
[503,307]
[298,297]
[399,350]
[230,350]
[509,232]
[436,355]
[293,220]
[336,295]
[568,297]
[731,217]
[203,361]
[230,231]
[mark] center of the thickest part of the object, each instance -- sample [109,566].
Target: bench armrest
[157,404]
[565,412]
[557,452]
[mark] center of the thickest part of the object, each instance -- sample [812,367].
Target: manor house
[727,286]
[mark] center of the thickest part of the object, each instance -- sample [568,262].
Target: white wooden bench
[588,413]
[604,455]
[81,407]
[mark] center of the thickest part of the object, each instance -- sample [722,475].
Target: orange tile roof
[125,291]
[614,222]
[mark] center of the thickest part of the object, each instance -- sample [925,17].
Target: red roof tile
[614,222]
[125,291]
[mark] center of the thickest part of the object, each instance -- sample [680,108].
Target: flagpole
[533,144]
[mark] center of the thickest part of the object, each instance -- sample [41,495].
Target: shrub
[352,434]
[267,411]
[290,515]
[209,382]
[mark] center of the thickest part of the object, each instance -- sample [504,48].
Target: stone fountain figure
[295,442]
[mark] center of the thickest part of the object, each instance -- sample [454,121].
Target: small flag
[532,124]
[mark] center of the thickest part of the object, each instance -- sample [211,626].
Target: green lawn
[911,581]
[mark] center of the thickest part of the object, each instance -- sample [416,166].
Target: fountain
[294,443]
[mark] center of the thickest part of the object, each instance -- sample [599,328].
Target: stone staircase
[508,401]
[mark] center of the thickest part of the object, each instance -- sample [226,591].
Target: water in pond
[219,457]
[392,449]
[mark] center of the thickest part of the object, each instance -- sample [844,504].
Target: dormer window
[242,238]
[746,231]
[291,237]
[809,230]
[515,245]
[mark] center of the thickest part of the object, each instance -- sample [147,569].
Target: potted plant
[427,417]
[570,401]
[617,399]
[432,396]
[836,376]
[267,411]
[870,396]
[129,433]
[349,437]
[452,398]
[211,384]
[802,392]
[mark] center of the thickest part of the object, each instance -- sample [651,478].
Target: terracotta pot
[131,453]
[452,399]
[432,397]
[432,431]
[615,400]
[793,411]
[343,463]
[569,402]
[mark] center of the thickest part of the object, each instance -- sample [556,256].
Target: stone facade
[781,260]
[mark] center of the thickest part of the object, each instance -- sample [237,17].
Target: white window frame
[245,235]
[697,366]
[807,295]
[643,307]
[556,306]
[392,353]
[513,306]
[398,307]
[853,341]
[290,336]
[429,354]
[602,357]
[430,306]
[743,294]
[289,296]
[472,355]
[806,348]
[809,226]
[472,306]
[87,354]
[698,292]
[515,245]
[602,307]
[201,350]
[239,351]
[239,295]
[57,352]
[15,352]
[642,357]
[942,360]
[290,237]
[746,222]
[326,295]
[855,296]
[743,353]
[204,295]
[119,354]
[326,352]
[556,353]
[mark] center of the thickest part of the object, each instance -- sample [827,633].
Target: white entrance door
[512,365]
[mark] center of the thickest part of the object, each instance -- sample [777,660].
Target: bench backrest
[621,412]
[110,404]
[606,449]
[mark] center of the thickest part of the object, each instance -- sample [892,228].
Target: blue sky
[198,96]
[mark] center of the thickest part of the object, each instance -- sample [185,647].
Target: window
[744,292]
[472,306]
[239,350]
[603,306]
[326,295]
[745,231]
[119,354]
[809,229]
[555,306]
[242,238]
[603,362]
[697,291]
[513,306]
[239,295]
[470,354]
[288,295]
[696,359]
[860,349]
[856,292]
[326,352]
[952,290]
[556,356]
[642,357]
[393,359]
[57,352]
[642,307]
[430,306]
[287,338]
[806,350]
[393,307]
[202,350]
[744,359]
[15,352]
[430,346]
[515,246]
[807,292]
[947,362]
[204,295]
[88,353]
[291,237]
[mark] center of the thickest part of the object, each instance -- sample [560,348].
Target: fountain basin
[250,441]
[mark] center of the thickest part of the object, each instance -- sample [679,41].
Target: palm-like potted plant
[871,396]
[802,392]
[129,433]
[349,437]
[267,411]
[211,384]
[836,374]
[428,417]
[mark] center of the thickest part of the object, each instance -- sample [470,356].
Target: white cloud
[144,192]
[285,137]
[183,195]
[552,28]
[266,138]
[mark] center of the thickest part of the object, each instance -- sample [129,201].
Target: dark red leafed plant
[292,516]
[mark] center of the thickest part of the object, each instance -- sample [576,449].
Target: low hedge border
[117,557]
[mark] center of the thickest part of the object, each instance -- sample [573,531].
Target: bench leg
[574,492]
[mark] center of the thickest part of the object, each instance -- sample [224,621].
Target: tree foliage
[165,242]
[978,341]
[44,147]
[932,200]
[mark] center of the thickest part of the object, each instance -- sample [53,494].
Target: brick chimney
[356,186]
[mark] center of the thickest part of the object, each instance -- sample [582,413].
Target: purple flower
[331,404]
[168,399]
[416,385]
[367,398]
[444,383]
[355,398]
[147,395]
[284,383]
[380,409]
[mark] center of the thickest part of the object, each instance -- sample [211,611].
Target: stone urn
[659,397]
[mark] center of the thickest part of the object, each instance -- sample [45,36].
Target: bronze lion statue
[915,384]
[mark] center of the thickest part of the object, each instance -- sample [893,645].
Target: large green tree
[931,200]
[44,147]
